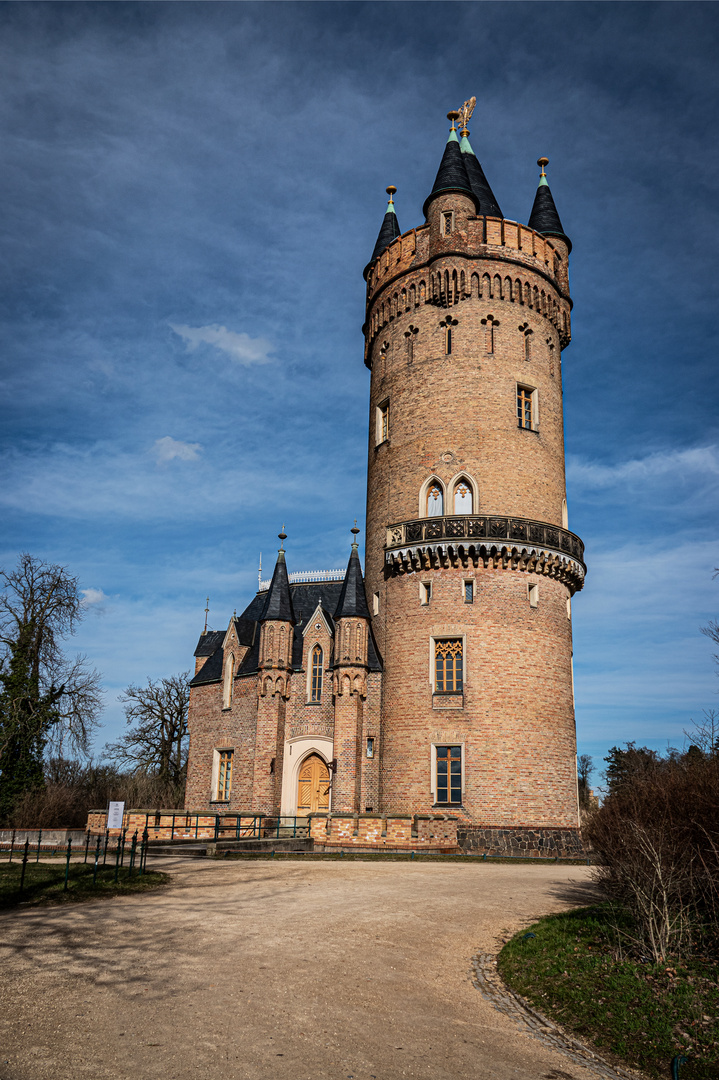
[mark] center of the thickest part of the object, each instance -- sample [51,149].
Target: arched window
[463,501]
[316,684]
[435,499]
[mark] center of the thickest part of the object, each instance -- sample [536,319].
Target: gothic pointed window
[448,677]
[435,500]
[463,497]
[316,683]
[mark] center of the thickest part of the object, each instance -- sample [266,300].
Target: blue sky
[188,195]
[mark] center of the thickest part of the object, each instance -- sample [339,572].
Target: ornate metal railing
[486,529]
[308,576]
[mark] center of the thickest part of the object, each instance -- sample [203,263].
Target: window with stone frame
[449,775]
[316,675]
[224,775]
[435,499]
[448,665]
[526,408]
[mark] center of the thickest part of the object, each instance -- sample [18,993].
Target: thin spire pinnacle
[544,218]
[388,232]
[543,162]
[207,612]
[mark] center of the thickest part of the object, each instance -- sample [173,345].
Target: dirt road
[277,971]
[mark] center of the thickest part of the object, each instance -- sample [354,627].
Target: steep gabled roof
[451,175]
[353,601]
[278,604]
[480,185]
[209,642]
[544,218]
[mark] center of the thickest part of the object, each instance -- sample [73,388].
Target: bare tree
[157,743]
[585,768]
[45,698]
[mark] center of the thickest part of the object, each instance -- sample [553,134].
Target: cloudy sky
[188,195]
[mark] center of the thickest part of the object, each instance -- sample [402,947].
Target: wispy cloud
[93,600]
[167,449]
[241,348]
[696,462]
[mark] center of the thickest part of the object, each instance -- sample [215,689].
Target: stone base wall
[540,842]
[372,832]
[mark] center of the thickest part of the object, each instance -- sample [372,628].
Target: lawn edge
[532,1022]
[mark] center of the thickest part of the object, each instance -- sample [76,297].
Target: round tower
[470,565]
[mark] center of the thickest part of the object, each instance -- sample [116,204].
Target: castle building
[430,700]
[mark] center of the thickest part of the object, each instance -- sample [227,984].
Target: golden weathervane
[465,113]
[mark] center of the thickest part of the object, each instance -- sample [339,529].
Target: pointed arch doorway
[313,786]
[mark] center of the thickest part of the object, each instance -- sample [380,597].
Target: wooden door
[313,786]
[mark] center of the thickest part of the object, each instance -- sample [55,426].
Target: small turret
[388,232]
[488,205]
[544,218]
[352,603]
[278,605]
[452,174]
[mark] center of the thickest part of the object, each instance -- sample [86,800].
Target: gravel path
[281,970]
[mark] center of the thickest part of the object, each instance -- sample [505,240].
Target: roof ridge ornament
[543,162]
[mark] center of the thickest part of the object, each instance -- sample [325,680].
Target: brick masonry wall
[450,415]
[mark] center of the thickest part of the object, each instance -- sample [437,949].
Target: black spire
[388,232]
[278,604]
[352,603]
[544,218]
[452,174]
[480,186]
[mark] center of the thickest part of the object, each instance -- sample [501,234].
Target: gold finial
[543,162]
[390,191]
[453,115]
[282,537]
[207,611]
[465,114]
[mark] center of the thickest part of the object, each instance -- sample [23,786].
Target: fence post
[143,852]
[67,864]
[24,864]
[117,859]
[97,859]
[217,825]
[107,841]
[133,849]
[122,854]
[87,845]
[12,844]
[39,838]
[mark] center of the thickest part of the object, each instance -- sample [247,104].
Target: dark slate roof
[451,175]
[480,185]
[278,604]
[305,598]
[388,232]
[209,642]
[544,218]
[353,601]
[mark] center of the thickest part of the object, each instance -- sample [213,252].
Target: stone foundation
[539,842]
[385,832]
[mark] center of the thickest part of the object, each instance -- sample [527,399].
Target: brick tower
[470,567]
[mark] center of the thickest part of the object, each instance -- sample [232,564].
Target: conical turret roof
[451,175]
[544,218]
[352,603]
[480,185]
[388,232]
[278,604]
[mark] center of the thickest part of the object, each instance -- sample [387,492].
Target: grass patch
[44,883]
[576,971]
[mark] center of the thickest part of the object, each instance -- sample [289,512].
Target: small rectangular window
[370,747]
[375,604]
[469,592]
[447,222]
[224,776]
[425,592]
[383,422]
[449,775]
[448,673]
[526,408]
[448,340]
[533,592]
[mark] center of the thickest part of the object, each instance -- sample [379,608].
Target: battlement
[486,237]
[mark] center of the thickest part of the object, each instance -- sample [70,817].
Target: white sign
[115,815]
